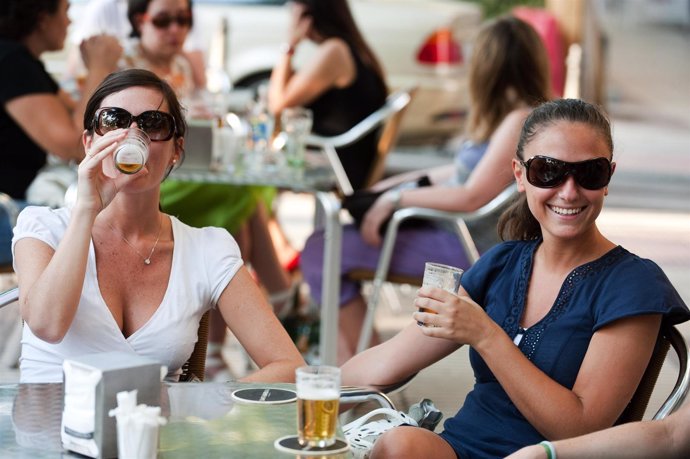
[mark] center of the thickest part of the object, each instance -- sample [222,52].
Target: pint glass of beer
[441,276]
[318,395]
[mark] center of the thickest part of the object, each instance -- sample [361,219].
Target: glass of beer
[318,396]
[133,151]
[441,276]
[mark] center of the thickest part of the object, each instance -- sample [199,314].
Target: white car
[419,42]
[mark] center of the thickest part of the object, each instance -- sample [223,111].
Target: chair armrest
[8,297]
[353,394]
[10,208]
[680,390]
[394,103]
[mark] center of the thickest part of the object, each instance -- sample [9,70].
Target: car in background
[421,43]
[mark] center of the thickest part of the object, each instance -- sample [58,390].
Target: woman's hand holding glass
[456,317]
[98,181]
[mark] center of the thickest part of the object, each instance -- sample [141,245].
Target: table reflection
[203,421]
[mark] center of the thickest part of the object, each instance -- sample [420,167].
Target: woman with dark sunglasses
[115,273]
[159,29]
[36,116]
[561,321]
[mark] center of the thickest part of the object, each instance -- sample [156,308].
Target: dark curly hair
[18,18]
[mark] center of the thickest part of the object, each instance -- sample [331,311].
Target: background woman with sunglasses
[36,116]
[560,320]
[508,75]
[115,273]
[161,27]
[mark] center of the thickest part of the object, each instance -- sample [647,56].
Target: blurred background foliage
[492,8]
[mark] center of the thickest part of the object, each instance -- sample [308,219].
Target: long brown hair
[509,67]
[517,222]
[333,18]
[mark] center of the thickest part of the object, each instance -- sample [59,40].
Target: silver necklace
[147,260]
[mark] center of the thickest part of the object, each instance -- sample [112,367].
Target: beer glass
[318,396]
[133,151]
[441,276]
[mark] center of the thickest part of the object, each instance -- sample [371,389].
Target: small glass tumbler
[297,123]
[132,152]
[441,276]
[318,398]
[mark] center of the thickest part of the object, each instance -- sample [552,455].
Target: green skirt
[225,206]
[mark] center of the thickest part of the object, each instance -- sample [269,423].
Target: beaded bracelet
[550,449]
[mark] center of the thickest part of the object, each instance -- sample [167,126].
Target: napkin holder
[91,385]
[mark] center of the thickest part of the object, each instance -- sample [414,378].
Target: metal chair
[669,337]
[10,209]
[192,370]
[459,220]
[389,116]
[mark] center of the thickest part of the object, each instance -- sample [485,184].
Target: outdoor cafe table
[316,178]
[204,421]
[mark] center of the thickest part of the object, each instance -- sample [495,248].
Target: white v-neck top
[204,261]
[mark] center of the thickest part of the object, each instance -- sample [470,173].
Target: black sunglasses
[159,126]
[546,172]
[163,21]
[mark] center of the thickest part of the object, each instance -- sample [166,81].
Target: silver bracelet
[394,195]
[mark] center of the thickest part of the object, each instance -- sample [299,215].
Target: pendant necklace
[147,260]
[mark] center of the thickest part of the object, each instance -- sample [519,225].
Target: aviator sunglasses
[164,20]
[159,126]
[546,172]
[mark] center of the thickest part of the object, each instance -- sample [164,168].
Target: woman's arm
[332,65]
[51,281]
[396,359]
[253,322]
[488,179]
[56,126]
[668,438]
[611,370]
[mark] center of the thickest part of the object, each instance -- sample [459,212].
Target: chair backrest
[195,366]
[395,103]
[669,338]
[193,369]
[389,134]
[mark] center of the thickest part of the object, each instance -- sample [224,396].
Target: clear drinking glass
[297,123]
[441,276]
[318,397]
[132,152]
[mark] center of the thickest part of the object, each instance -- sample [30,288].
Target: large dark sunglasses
[159,126]
[164,20]
[546,172]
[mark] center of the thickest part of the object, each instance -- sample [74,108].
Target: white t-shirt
[110,17]
[204,261]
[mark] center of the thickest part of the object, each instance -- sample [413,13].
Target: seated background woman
[84,280]
[342,84]
[508,74]
[561,321]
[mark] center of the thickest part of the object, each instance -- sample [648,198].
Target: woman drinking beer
[114,273]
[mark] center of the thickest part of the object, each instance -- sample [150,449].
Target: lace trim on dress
[532,336]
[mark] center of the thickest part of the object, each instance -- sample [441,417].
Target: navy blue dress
[617,285]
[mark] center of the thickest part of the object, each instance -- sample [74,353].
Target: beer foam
[315,393]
